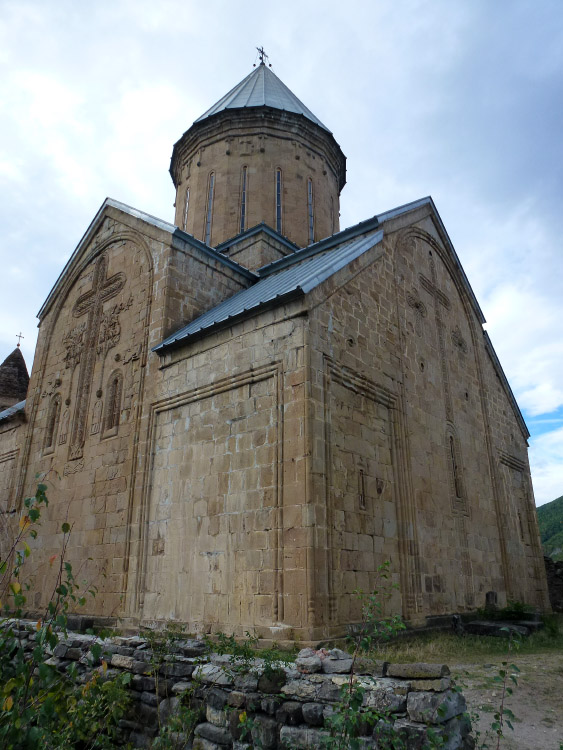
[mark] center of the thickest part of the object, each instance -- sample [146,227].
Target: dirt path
[537,701]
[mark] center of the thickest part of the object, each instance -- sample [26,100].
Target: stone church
[244,413]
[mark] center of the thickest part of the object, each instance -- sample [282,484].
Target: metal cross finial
[19,337]
[263,55]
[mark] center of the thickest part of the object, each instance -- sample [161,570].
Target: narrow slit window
[455,469]
[310,211]
[362,488]
[113,409]
[52,423]
[278,201]
[209,212]
[243,187]
[521,525]
[186,206]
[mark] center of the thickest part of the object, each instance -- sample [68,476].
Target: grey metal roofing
[11,410]
[298,278]
[262,88]
[262,227]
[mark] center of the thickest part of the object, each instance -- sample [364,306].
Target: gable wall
[399,355]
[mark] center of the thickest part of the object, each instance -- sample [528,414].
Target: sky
[460,100]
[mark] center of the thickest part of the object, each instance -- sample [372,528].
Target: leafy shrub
[40,706]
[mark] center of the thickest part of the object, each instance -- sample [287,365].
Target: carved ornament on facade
[458,341]
[110,329]
[73,342]
[414,301]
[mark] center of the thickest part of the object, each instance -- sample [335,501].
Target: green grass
[446,647]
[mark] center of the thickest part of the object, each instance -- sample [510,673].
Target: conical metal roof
[14,379]
[262,88]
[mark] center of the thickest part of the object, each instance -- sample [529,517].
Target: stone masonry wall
[285,706]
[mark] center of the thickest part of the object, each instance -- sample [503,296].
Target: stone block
[210,732]
[290,713]
[201,743]
[372,667]
[236,699]
[140,667]
[216,716]
[308,661]
[301,737]
[248,683]
[60,650]
[168,707]
[123,662]
[301,689]
[180,687]
[177,670]
[456,734]
[313,714]
[329,691]
[142,683]
[337,662]
[385,700]
[212,674]
[149,698]
[435,708]
[191,647]
[418,671]
[265,732]
[272,681]
[217,698]
[270,705]
[413,735]
[436,685]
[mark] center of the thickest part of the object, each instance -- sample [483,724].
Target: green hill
[550,519]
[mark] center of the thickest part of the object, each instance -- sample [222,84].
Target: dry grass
[444,647]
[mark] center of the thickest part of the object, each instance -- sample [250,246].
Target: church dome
[14,379]
[258,155]
[262,88]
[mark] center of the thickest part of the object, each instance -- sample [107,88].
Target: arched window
[52,423]
[186,206]
[332,215]
[209,210]
[113,404]
[279,200]
[243,189]
[310,211]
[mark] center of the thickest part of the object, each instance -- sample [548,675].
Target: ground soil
[537,701]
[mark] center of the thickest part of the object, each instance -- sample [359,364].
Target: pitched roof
[12,410]
[262,88]
[177,235]
[297,279]
[14,378]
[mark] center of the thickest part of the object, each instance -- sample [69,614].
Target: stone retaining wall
[285,705]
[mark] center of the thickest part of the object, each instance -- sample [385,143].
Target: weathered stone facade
[311,414]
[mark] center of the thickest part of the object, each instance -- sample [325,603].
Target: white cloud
[425,98]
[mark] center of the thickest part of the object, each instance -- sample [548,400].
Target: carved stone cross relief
[90,304]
